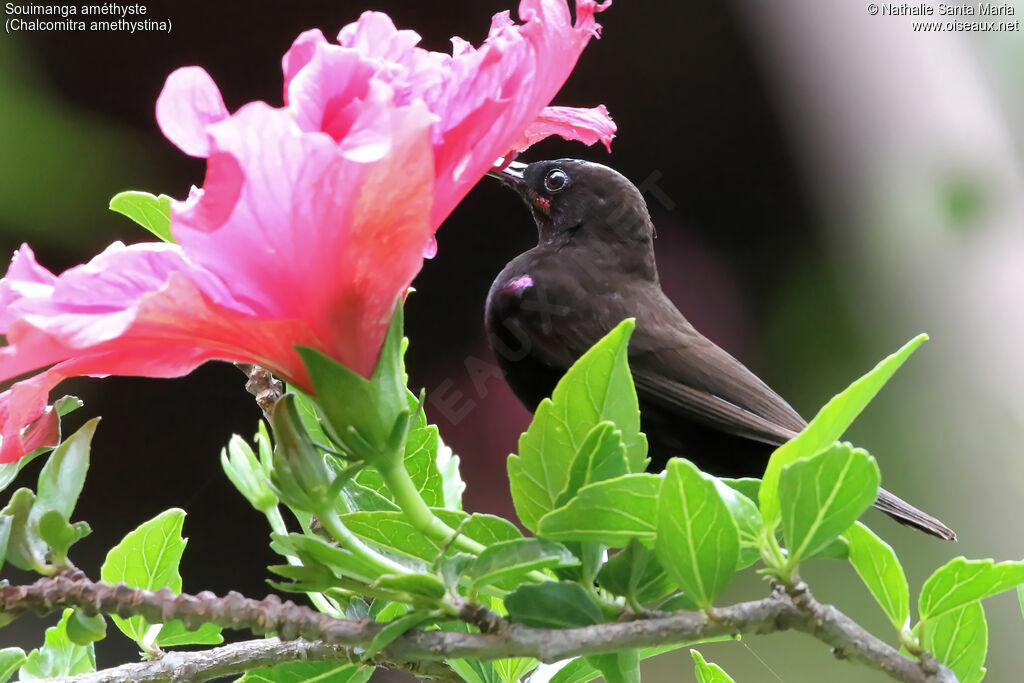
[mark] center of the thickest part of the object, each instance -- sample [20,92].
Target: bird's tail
[905,513]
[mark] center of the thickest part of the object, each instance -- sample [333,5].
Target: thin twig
[794,609]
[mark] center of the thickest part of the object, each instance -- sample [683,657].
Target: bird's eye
[556,180]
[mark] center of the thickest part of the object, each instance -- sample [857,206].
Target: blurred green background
[832,183]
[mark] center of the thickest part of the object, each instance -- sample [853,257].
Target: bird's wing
[675,368]
[679,369]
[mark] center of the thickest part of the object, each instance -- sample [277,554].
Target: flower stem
[419,514]
[336,528]
[273,515]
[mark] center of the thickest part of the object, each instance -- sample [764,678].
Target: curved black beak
[511,174]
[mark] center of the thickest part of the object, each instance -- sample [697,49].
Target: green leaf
[421,463]
[636,573]
[305,405]
[313,672]
[746,515]
[513,558]
[961,581]
[82,629]
[316,552]
[422,584]
[610,512]
[706,672]
[474,670]
[174,634]
[63,475]
[60,535]
[10,659]
[512,669]
[147,558]
[698,542]
[152,213]
[394,630]
[823,496]
[58,657]
[597,388]
[959,639]
[618,667]
[552,605]
[827,426]
[5,534]
[448,465]
[880,570]
[1020,599]
[391,531]
[25,549]
[602,456]
[580,671]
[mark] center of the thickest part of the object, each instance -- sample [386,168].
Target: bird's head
[579,202]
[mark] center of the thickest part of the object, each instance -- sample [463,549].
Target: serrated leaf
[453,486]
[11,658]
[635,572]
[509,559]
[552,605]
[58,657]
[961,581]
[602,456]
[147,558]
[827,426]
[597,388]
[959,639]
[823,496]
[421,463]
[610,512]
[707,672]
[697,542]
[174,634]
[151,212]
[618,667]
[301,672]
[880,570]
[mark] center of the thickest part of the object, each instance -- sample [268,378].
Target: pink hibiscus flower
[313,218]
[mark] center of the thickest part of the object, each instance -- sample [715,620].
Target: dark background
[746,245]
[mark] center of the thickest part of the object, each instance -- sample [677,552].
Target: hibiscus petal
[572,123]
[189,102]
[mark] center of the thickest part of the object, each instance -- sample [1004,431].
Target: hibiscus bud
[247,473]
[300,476]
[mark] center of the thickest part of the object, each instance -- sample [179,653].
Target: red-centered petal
[189,102]
[572,123]
[327,236]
